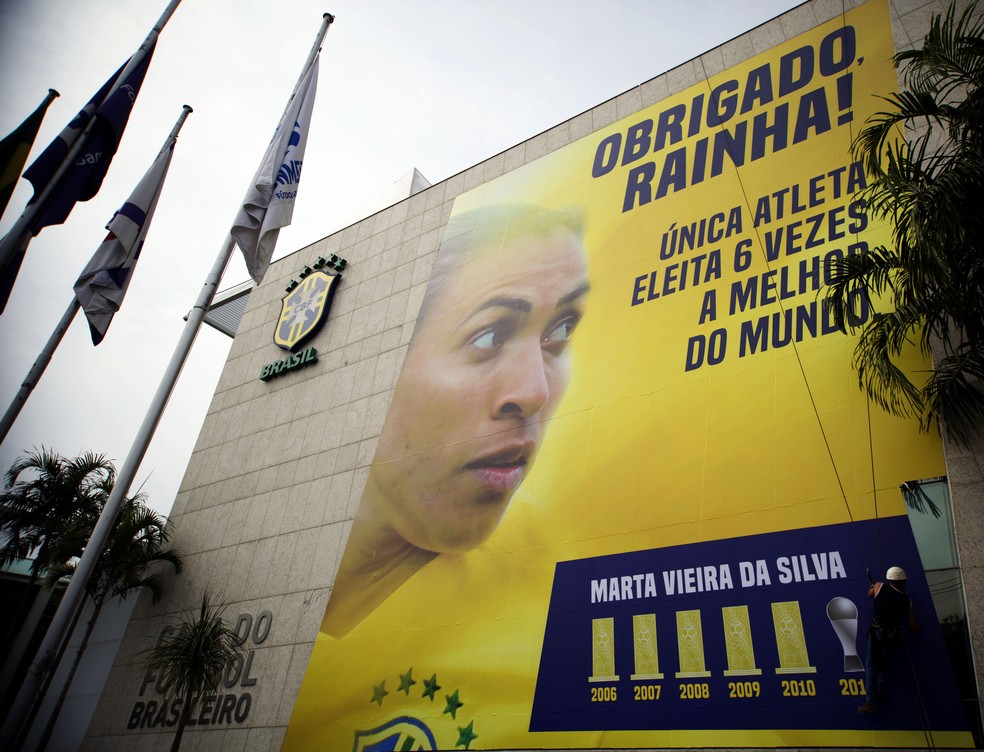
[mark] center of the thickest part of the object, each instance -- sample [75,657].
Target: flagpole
[19,235]
[76,586]
[37,370]
[326,20]
[34,375]
[50,97]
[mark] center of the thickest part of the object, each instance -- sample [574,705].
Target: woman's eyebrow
[574,294]
[513,304]
[522,305]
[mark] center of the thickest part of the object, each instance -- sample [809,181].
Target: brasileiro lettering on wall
[231,705]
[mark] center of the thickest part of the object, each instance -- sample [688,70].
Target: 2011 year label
[853,687]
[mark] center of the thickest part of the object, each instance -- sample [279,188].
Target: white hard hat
[895,574]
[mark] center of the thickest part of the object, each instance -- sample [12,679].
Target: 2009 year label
[744,689]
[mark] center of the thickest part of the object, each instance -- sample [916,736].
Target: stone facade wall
[279,468]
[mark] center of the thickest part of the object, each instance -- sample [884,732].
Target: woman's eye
[494,336]
[486,340]
[563,331]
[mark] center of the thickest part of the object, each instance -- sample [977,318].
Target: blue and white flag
[269,202]
[101,286]
[111,107]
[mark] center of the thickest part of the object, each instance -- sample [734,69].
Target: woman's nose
[521,384]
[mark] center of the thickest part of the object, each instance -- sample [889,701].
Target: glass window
[931,516]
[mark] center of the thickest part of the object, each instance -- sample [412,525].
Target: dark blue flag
[111,107]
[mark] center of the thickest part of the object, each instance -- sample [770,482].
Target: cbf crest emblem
[305,309]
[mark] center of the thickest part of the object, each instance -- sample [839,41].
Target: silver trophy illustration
[843,615]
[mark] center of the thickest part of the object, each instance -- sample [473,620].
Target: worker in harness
[890,610]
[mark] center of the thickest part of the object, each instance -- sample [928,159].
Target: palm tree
[59,494]
[928,184]
[45,496]
[128,563]
[191,658]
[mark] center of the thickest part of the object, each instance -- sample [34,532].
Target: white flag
[269,202]
[101,286]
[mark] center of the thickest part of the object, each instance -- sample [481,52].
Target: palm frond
[923,154]
[191,657]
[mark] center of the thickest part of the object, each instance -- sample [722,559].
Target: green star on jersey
[453,704]
[430,687]
[379,692]
[406,681]
[465,735]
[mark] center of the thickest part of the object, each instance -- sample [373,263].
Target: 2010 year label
[799,688]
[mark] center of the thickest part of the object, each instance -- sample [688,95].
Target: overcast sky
[438,85]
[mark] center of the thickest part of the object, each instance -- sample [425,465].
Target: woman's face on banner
[486,370]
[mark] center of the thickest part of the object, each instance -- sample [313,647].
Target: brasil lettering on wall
[303,358]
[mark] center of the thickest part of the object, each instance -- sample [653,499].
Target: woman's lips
[500,479]
[502,470]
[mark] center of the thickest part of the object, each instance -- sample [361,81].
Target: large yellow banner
[628,488]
